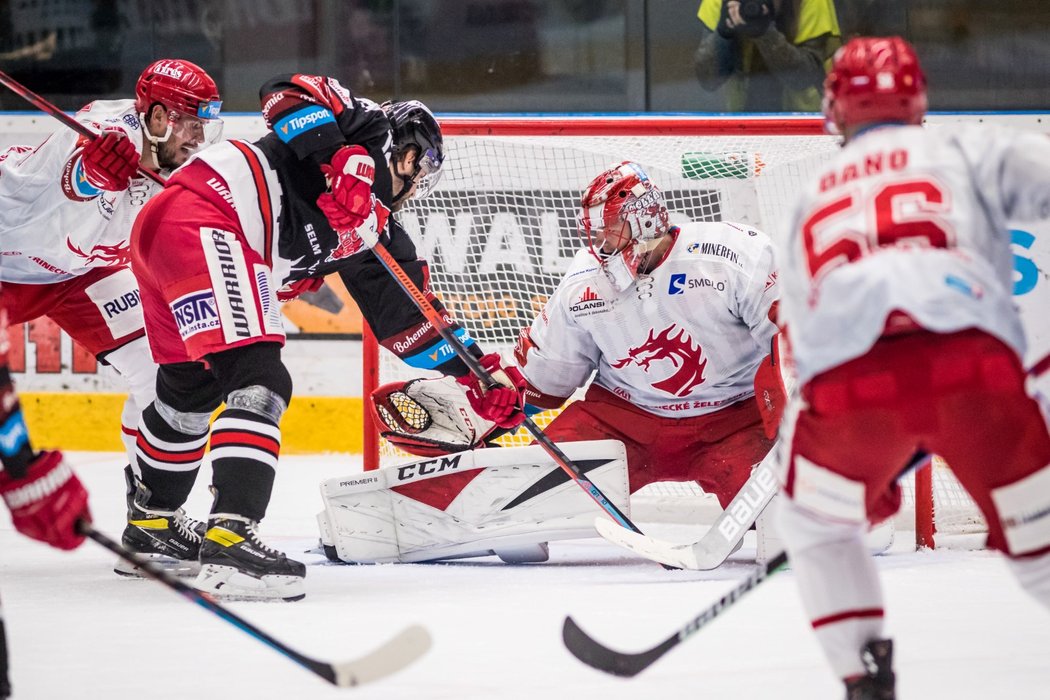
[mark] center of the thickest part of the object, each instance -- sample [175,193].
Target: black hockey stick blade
[399,652]
[627,664]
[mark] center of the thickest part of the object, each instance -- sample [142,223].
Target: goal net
[500,230]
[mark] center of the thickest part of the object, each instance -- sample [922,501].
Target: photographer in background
[772,53]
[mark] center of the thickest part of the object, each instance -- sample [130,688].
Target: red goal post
[500,227]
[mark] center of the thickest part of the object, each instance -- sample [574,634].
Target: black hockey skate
[236,565]
[167,538]
[880,681]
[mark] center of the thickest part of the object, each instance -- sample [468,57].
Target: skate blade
[176,567]
[229,583]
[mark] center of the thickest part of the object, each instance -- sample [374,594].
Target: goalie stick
[45,106]
[626,664]
[397,653]
[720,541]
[488,382]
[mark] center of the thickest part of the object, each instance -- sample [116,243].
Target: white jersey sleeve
[55,224]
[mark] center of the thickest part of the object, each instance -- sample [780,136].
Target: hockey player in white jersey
[676,321]
[896,298]
[66,210]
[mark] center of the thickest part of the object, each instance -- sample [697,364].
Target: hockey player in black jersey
[240,227]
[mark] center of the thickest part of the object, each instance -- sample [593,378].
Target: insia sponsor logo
[293,125]
[234,295]
[429,467]
[677,284]
[195,313]
[132,121]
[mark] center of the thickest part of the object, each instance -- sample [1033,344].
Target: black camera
[751,10]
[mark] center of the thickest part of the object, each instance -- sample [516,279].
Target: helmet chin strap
[406,186]
[154,141]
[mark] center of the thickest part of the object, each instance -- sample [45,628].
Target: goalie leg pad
[506,501]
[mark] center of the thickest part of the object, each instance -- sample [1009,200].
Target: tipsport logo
[295,124]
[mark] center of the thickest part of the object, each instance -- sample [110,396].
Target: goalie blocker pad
[508,501]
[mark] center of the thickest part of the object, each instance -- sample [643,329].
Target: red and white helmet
[622,194]
[180,86]
[874,79]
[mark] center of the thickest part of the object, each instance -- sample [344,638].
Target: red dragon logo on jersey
[680,349]
[108,255]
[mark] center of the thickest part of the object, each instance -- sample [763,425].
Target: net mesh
[500,231]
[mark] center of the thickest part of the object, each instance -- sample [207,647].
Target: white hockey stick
[720,541]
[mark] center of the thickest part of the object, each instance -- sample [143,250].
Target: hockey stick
[45,106]
[719,542]
[618,663]
[410,644]
[442,327]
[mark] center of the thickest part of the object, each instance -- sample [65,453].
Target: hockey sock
[168,459]
[244,450]
[16,452]
[838,583]
[1034,575]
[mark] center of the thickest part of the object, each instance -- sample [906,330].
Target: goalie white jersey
[912,220]
[683,341]
[54,225]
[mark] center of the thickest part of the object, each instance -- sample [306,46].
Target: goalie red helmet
[180,86]
[621,206]
[875,79]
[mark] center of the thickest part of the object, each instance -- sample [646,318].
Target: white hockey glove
[429,417]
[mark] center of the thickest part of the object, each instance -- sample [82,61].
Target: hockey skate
[880,681]
[236,565]
[165,538]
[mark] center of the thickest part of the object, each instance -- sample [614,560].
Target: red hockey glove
[293,289]
[503,405]
[350,175]
[47,503]
[110,161]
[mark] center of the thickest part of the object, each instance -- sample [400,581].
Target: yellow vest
[815,18]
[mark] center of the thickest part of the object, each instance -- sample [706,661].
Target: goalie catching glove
[429,417]
[502,404]
[351,208]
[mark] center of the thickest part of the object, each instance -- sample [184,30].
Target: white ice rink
[963,628]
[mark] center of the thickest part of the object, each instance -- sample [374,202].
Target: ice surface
[963,628]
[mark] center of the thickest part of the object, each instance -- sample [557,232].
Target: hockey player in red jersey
[240,227]
[45,497]
[896,297]
[66,210]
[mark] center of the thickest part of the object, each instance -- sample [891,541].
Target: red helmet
[179,85]
[623,193]
[875,79]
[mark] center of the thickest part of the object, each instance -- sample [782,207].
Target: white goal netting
[500,230]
